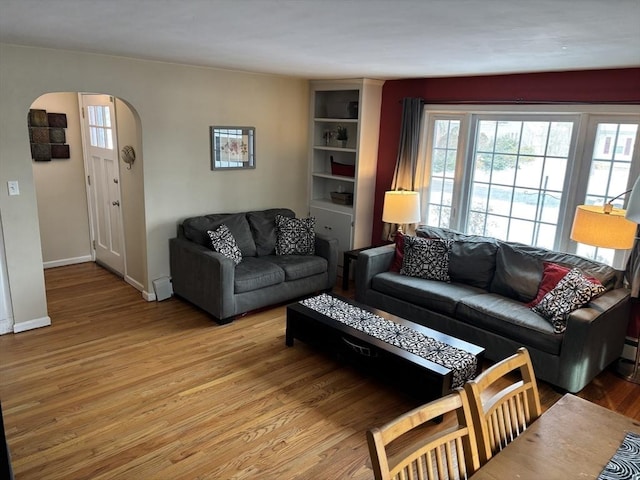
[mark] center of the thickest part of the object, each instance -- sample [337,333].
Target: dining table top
[574,438]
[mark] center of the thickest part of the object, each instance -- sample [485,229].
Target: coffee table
[421,361]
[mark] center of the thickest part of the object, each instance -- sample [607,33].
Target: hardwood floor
[120,388]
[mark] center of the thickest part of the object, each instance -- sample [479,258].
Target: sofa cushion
[519,270]
[472,259]
[296,267]
[426,258]
[509,318]
[438,296]
[255,273]
[295,236]
[571,293]
[195,229]
[263,228]
[223,242]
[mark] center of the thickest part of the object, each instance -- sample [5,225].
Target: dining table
[573,439]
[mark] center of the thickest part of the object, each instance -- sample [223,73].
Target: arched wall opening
[61,191]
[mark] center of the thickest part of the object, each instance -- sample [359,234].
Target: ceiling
[340,38]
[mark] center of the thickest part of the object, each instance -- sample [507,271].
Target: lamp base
[628,369]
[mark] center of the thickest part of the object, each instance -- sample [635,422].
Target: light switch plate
[14,188]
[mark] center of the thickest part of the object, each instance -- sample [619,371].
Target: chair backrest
[405,448]
[504,401]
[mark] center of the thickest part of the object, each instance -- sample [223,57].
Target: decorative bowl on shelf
[342,198]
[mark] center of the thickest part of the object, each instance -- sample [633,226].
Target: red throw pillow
[551,275]
[396,265]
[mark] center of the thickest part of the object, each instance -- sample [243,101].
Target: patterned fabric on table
[463,364]
[625,463]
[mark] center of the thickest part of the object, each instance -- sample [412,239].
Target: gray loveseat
[216,284]
[486,303]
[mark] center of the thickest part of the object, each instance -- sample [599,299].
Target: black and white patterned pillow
[222,241]
[426,258]
[572,292]
[295,236]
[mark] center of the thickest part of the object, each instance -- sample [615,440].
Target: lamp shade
[633,206]
[591,225]
[401,207]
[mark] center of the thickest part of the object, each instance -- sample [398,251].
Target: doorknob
[115,203]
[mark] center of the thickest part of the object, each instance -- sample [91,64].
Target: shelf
[327,204]
[336,120]
[341,178]
[330,148]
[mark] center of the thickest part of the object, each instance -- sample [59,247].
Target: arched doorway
[62,187]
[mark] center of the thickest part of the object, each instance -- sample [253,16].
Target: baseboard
[6,325]
[31,324]
[629,350]
[67,261]
[149,296]
[134,283]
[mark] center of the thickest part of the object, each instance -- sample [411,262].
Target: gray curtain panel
[404,176]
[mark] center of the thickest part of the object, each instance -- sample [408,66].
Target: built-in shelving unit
[344,166]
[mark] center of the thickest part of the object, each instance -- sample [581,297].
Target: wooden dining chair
[504,401]
[407,449]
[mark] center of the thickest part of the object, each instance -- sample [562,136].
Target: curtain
[404,175]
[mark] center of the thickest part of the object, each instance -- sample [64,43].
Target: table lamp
[603,226]
[401,207]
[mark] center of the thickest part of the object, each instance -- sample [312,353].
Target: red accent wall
[603,86]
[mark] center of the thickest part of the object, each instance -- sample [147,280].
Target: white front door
[103,180]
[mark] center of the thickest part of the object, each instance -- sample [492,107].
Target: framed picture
[232,148]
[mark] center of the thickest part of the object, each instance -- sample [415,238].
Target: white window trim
[586,116]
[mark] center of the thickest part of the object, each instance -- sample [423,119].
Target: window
[518,176]
[100,130]
[610,163]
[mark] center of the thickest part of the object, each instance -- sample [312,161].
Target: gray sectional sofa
[486,303]
[213,282]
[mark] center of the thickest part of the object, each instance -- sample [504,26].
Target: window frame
[585,118]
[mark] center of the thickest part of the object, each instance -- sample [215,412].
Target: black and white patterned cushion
[222,241]
[295,236]
[571,293]
[426,258]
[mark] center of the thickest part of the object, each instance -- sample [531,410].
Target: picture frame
[232,148]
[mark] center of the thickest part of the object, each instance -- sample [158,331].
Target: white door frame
[89,187]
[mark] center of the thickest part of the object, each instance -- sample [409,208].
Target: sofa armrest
[370,263]
[327,248]
[202,276]
[595,336]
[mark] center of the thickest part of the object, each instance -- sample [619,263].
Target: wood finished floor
[120,388]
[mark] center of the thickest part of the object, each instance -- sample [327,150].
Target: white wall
[176,105]
[60,191]
[132,196]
